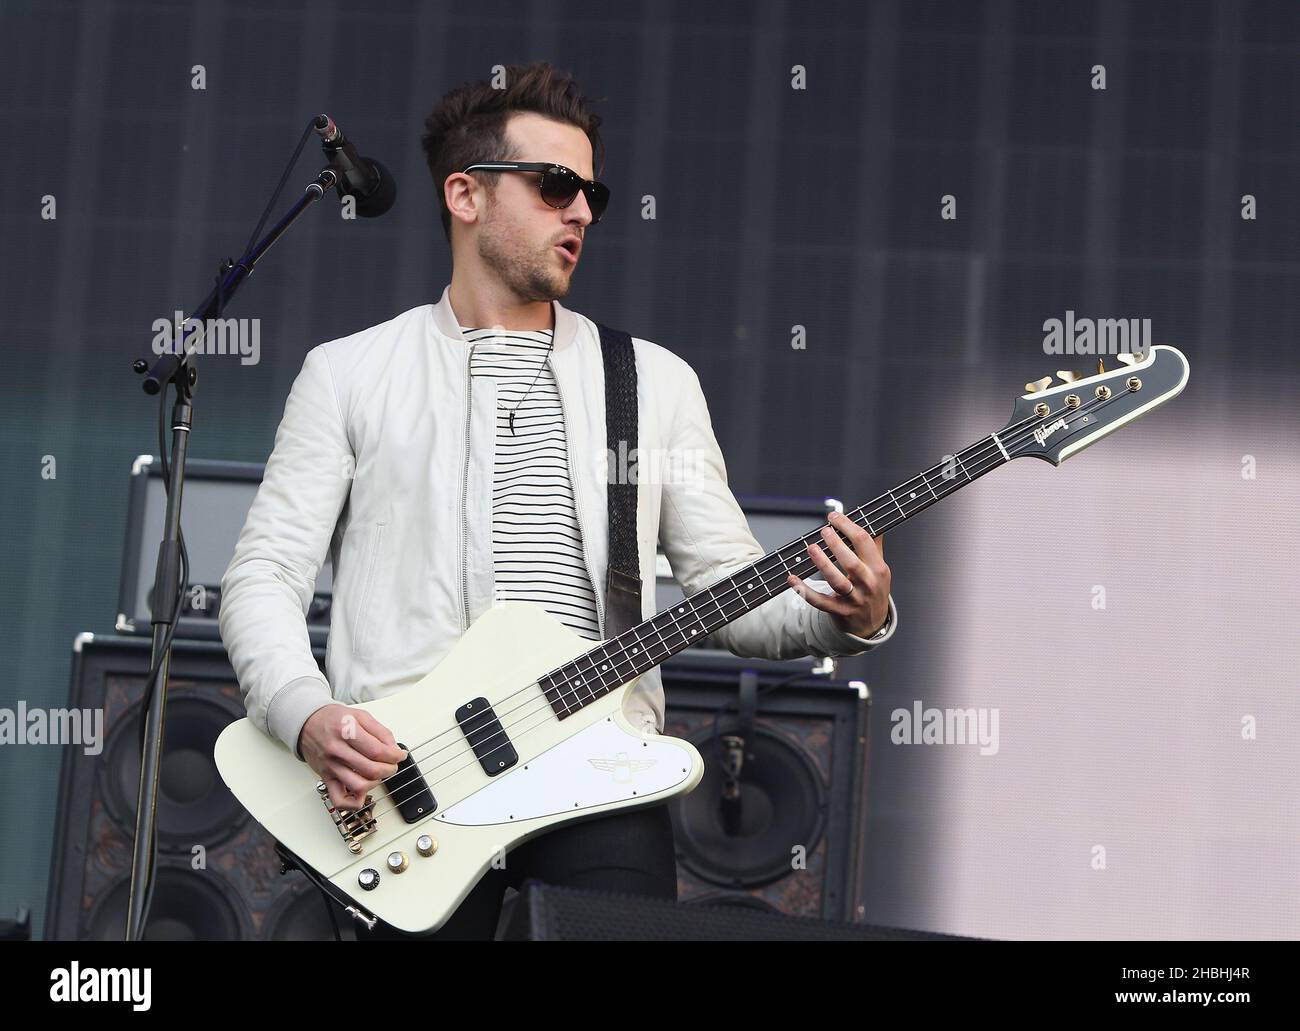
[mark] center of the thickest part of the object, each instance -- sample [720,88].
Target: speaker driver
[188,905]
[781,807]
[733,900]
[194,805]
[300,916]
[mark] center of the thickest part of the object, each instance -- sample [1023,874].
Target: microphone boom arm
[172,364]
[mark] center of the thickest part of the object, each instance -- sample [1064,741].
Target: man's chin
[550,289]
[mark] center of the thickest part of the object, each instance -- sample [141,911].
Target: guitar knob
[1066,376]
[397,861]
[368,879]
[1038,384]
[425,845]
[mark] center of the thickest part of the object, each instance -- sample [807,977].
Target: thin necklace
[511,420]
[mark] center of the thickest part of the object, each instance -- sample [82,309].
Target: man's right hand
[350,750]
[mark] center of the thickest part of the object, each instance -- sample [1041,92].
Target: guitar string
[979,461]
[982,467]
[547,709]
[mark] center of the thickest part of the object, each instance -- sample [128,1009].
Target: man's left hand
[860,604]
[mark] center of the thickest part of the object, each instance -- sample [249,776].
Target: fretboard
[615,662]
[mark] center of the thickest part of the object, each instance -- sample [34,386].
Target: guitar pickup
[409,790]
[486,736]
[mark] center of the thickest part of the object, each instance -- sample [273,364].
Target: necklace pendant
[512,424]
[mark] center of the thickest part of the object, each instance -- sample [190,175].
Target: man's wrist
[881,635]
[886,624]
[292,706]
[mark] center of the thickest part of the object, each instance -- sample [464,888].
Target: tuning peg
[1066,376]
[1101,366]
[1127,359]
[1038,384]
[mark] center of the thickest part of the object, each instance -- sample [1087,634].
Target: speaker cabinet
[218,496]
[547,913]
[218,875]
[777,822]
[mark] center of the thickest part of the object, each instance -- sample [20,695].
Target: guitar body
[590,763]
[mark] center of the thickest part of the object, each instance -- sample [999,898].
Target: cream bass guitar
[520,727]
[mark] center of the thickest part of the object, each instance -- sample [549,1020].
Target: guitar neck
[646,645]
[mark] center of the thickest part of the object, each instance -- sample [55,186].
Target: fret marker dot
[694,632]
[913,493]
[606,666]
[635,650]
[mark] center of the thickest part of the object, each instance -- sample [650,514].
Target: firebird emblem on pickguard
[622,767]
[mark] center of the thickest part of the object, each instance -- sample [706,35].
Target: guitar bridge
[352,824]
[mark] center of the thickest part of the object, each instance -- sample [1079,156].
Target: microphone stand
[178,369]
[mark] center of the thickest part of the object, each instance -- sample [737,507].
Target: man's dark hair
[469,124]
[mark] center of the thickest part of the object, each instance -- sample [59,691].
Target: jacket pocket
[363,620]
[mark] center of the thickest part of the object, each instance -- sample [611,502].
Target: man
[457,454]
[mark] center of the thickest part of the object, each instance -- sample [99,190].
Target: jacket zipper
[577,508]
[464,497]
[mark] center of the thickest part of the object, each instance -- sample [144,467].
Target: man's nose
[579,211]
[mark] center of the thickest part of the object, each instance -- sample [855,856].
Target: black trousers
[630,852]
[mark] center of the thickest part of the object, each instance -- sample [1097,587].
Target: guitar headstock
[1055,422]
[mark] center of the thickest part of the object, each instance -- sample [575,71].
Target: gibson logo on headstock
[1043,432]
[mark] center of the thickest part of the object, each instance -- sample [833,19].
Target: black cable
[280,185]
[291,862]
[716,739]
[152,681]
[329,908]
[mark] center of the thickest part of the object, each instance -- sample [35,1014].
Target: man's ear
[463,198]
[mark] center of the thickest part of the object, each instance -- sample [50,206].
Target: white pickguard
[599,765]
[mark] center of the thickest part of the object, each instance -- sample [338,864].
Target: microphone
[360,177]
[731,802]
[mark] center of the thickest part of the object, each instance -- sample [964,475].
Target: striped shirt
[536,543]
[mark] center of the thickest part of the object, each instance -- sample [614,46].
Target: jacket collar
[444,318]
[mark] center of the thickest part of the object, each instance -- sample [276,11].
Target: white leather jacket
[382,458]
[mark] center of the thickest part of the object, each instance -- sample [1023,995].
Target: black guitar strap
[623,588]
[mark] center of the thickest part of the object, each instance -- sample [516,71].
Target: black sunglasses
[559,185]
